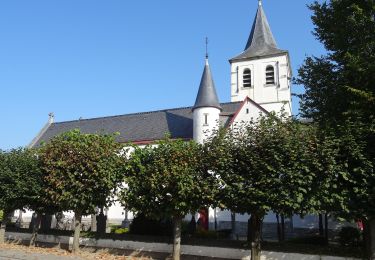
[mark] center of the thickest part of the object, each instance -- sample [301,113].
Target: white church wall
[205,121]
[248,112]
[259,91]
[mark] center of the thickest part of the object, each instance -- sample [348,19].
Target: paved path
[13,254]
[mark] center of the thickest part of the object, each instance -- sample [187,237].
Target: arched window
[247,78]
[270,75]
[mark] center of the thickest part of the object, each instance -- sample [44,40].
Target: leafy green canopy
[20,179]
[169,180]
[356,180]
[267,165]
[341,83]
[340,96]
[81,170]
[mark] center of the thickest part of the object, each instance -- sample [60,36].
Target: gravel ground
[19,252]
[12,251]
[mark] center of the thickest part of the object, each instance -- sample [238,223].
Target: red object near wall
[203,218]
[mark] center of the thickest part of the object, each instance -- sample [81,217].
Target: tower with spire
[262,71]
[206,110]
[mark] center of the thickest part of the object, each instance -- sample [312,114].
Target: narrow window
[247,78]
[205,119]
[270,75]
[247,111]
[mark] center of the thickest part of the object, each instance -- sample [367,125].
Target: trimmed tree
[261,167]
[82,172]
[168,181]
[20,182]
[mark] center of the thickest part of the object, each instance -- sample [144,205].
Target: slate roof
[139,127]
[207,96]
[261,41]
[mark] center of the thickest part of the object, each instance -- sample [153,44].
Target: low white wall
[291,256]
[218,252]
[40,238]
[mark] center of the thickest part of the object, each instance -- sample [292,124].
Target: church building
[260,83]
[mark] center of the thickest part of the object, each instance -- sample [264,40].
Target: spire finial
[206,48]
[259,2]
[51,117]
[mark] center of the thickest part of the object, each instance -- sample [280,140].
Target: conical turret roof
[261,41]
[207,96]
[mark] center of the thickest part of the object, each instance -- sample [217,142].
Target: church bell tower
[262,71]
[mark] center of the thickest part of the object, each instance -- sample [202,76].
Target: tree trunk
[326,228]
[177,238]
[321,229]
[278,228]
[256,231]
[77,231]
[3,226]
[233,226]
[368,238]
[35,228]
[371,232]
[282,228]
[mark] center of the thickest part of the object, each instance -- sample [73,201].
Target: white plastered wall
[202,129]
[271,97]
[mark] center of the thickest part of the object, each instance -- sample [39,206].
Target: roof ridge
[137,113]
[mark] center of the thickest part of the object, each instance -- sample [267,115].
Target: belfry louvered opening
[247,78]
[270,75]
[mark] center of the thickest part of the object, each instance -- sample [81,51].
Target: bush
[349,236]
[224,233]
[121,231]
[202,233]
[114,228]
[142,225]
[1,215]
[310,240]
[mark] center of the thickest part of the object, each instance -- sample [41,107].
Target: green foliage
[82,171]
[142,225]
[340,84]
[168,181]
[349,236]
[121,231]
[1,215]
[266,165]
[356,180]
[21,184]
[202,233]
[340,97]
[309,240]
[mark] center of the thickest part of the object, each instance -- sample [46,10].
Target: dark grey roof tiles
[207,96]
[261,41]
[149,126]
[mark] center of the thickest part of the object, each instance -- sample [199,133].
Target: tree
[261,168]
[82,172]
[340,94]
[356,181]
[168,181]
[20,177]
[340,83]
[326,196]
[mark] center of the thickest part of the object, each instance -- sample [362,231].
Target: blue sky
[91,58]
